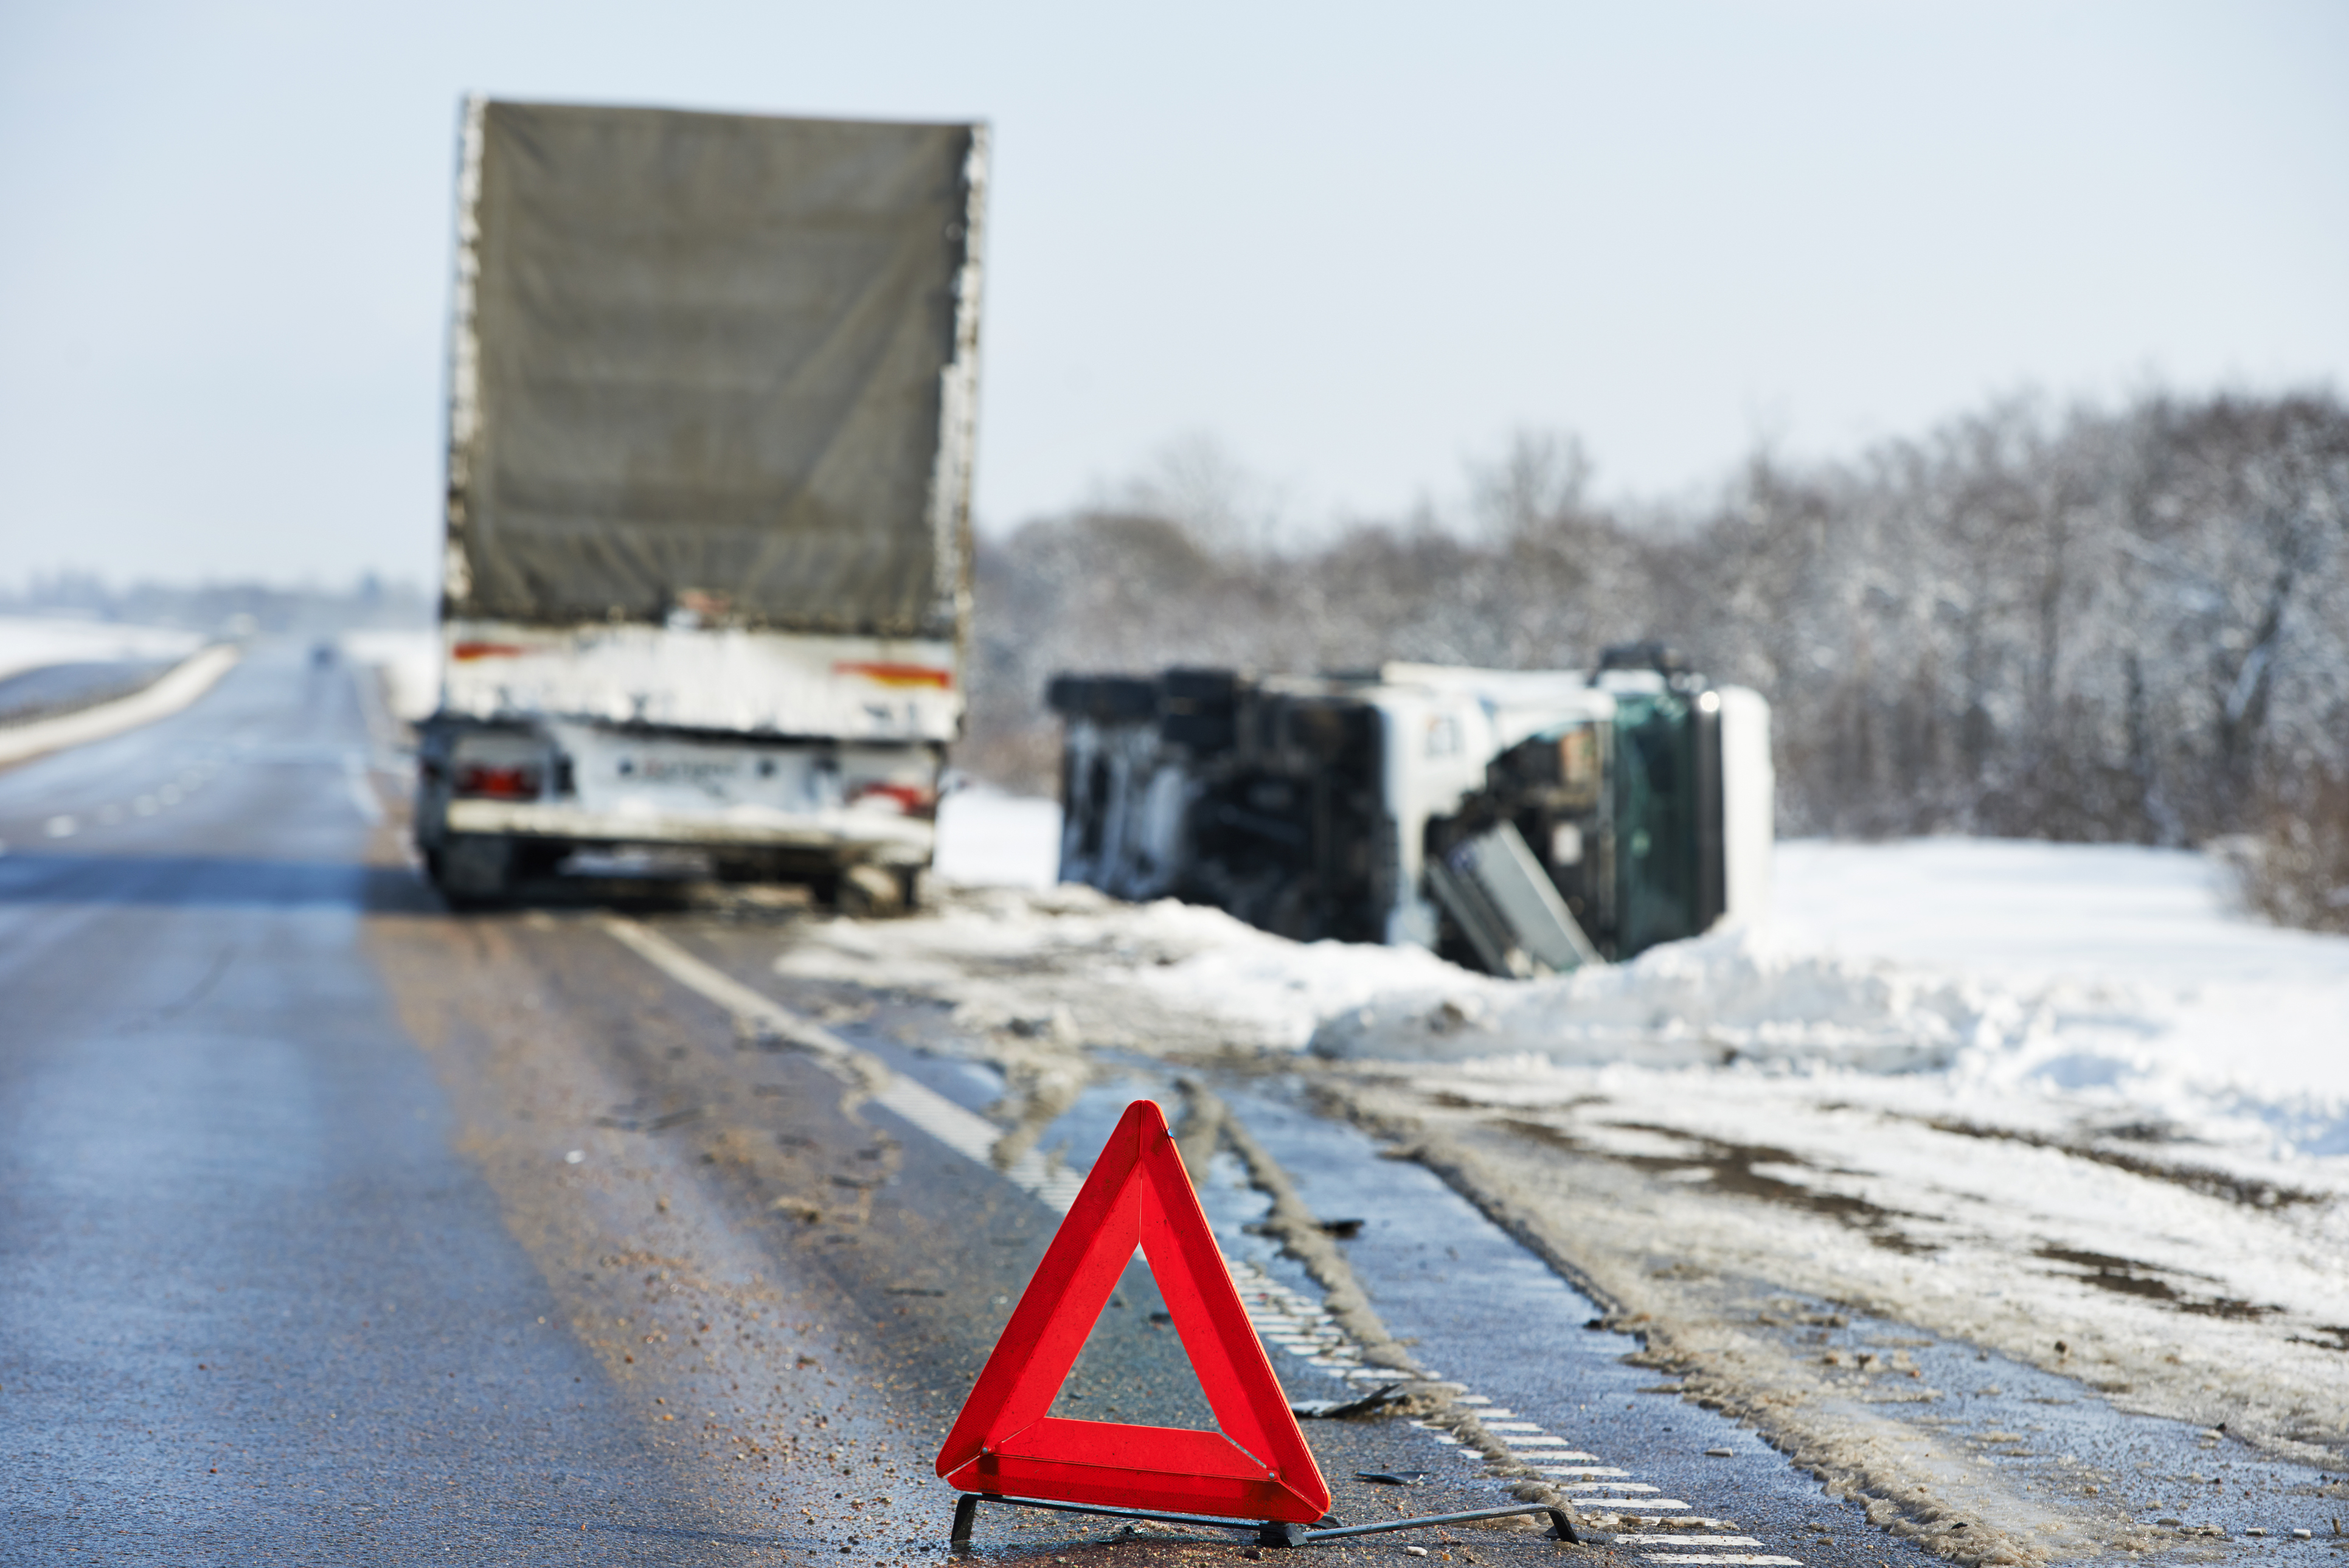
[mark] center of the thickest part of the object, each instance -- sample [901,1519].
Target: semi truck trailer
[712,383]
[1524,822]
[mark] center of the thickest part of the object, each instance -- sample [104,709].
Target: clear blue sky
[1355,246]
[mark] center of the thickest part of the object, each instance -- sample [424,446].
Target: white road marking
[1684,1541]
[973,1135]
[1272,1307]
[1721,1557]
[729,993]
[964,1131]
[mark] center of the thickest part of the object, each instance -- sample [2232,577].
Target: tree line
[2123,623]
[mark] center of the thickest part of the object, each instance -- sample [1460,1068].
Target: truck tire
[871,892]
[535,860]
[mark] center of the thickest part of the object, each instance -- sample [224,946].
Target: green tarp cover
[718,364]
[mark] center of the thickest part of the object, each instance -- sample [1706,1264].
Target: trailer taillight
[496,781]
[912,799]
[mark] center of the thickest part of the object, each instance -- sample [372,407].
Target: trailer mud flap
[1506,906]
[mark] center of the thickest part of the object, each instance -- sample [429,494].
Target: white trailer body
[713,380]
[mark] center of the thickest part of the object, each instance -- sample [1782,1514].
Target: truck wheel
[871,892]
[535,858]
[473,868]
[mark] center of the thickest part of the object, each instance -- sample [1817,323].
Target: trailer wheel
[871,892]
[535,859]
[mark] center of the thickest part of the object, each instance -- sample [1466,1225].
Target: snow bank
[408,662]
[180,685]
[32,642]
[1746,995]
[2119,981]
[1167,975]
[2103,981]
[1007,946]
[988,838]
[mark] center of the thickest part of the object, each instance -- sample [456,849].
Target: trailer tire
[535,858]
[871,892]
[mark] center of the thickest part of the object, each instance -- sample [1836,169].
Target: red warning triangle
[1257,1467]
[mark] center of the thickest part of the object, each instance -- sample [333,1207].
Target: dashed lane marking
[1686,1541]
[68,824]
[1286,1319]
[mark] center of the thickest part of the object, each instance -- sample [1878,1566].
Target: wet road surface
[252,1301]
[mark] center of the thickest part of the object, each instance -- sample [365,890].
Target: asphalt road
[252,1302]
[336,1229]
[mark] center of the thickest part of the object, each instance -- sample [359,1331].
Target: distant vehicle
[1524,822]
[713,381]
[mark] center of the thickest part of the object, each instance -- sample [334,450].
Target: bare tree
[2117,625]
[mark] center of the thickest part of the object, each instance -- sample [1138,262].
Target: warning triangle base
[1268,1532]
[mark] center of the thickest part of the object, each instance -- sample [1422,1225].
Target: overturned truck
[1524,822]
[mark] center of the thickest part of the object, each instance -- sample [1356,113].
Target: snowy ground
[2110,983]
[33,641]
[2062,1107]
